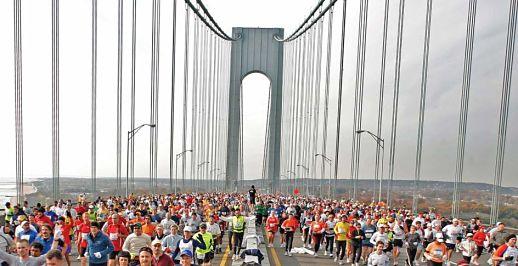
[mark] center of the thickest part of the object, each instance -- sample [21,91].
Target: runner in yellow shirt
[342,237]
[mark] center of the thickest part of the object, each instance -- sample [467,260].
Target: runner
[289,226]
[330,235]
[506,254]
[272,225]
[341,230]
[436,252]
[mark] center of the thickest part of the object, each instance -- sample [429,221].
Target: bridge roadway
[276,256]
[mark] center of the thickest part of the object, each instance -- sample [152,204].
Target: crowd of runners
[189,229]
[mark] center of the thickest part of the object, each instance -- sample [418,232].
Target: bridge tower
[255,51]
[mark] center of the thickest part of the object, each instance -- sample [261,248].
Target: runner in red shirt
[117,233]
[479,237]
[83,229]
[272,224]
[40,218]
[318,228]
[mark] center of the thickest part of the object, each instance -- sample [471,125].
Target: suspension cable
[93,151]
[194,99]
[18,99]
[173,88]
[119,92]
[185,89]
[55,99]
[215,29]
[504,109]
[422,106]
[463,115]
[132,107]
[326,97]
[381,98]
[395,99]
[340,88]
[360,70]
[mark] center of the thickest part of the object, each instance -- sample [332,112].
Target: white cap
[187,229]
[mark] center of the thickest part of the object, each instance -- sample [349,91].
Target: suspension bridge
[304,145]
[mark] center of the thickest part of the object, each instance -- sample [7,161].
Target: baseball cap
[24,223]
[156,241]
[469,234]
[203,225]
[137,225]
[188,229]
[186,252]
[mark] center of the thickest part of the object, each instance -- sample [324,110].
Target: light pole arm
[378,140]
[132,133]
[323,156]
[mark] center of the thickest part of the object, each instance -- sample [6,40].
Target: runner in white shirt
[452,232]
[330,235]
[381,235]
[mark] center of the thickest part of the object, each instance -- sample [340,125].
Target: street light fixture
[131,134]
[307,173]
[178,156]
[330,170]
[380,142]
[200,165]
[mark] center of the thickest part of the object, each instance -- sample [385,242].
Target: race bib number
[438,253]
[26,237]
[114,236]
[84,235]
[200,256]
[341,230]
[272,225]
[368,235]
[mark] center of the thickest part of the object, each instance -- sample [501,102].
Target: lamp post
[131,133]
[224,173]
[290,183]
[212,177]
[380,142]
[306,181]
[178,156]
[200,165]
[330,170]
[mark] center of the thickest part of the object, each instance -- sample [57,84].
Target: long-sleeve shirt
[171,242]
[13,260]
[100,243]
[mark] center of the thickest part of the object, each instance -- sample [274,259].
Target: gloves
[98,255]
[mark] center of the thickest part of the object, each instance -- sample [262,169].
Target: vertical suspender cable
[504,109]
[326,99]
[316,115]
[119,93]
[185,89]
[463,115]
[173,88]
[133,65]
[422,106]
[381,97]
[395,100]
[360,74]
[18,117]
[55,99]
[152,98]
[194,112]
[340,88]
[93,169]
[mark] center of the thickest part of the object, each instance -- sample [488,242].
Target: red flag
[296,191]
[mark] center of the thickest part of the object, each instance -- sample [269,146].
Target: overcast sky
[443,102]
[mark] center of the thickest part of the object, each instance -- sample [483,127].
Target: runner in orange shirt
[290,225]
